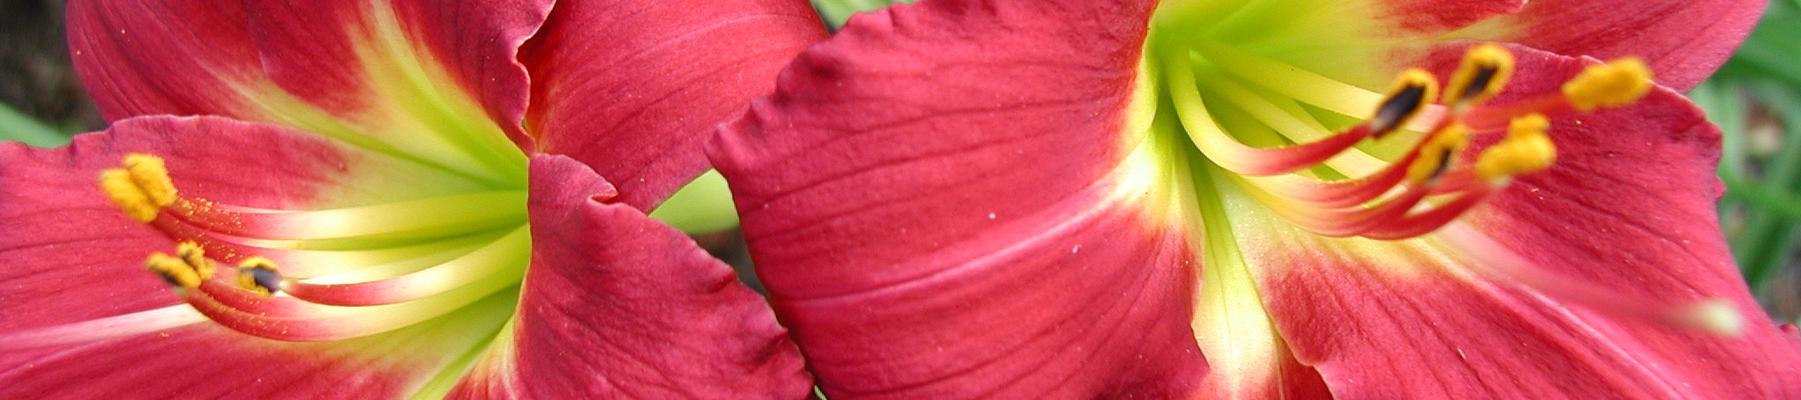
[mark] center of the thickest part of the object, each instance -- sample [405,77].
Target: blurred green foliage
[1756,101]
[836,12]
[15,126]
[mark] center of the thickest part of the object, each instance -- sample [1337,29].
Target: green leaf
[703,206]
[1725,109]
[1784,205]
[1785,167]
[1761,189]
[836,12]
[15,126]
[1770,50]
[1763,247]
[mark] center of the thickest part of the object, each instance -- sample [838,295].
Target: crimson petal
[136,60]
[619,305]
[960,199]
[398,72]
[1682,40]
[633,88]
[311,48]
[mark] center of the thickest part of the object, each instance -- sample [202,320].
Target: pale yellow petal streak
[1230,323]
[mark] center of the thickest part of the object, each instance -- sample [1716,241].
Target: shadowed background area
[35,77]
[1756,99]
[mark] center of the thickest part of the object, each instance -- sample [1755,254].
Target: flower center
[1333,183]
[327,274]
[1401,168]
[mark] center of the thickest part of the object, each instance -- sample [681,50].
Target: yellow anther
[1534,124]
[1526,149]
[1415,77]
[1617,83]
[141,189]
[1436,154]
[173,270]
[195,256]
[119,188]
[1483,73]
[259,275]
[1412,91]
[258,262]
[152,176]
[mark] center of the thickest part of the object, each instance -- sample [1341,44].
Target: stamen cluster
[358,271]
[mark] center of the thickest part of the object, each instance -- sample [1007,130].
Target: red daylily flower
[426,230]
[1080,199]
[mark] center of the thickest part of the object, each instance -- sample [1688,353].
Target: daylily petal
[136,60]
[58,223]
[1682,40]
[209,361]
[619,305]
[78,302]
[384,75]
[633,88]
[332,53]
[1628,209]
[962,200]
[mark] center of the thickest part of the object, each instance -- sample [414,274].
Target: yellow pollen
[258,262]
[1415,77]
[119,188]
[141,189]
[1617,83]
[1534,124]
[173,270]
[1526,149]
[1484,72]
[194,256]
[1436,154]
[152,176]
[253,266]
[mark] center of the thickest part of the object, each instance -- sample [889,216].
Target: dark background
[35,76]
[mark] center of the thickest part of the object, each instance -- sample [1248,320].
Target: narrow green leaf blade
[836,12]
[15,126]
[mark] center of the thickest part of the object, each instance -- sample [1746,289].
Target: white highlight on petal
[99,329]
[1717,317]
